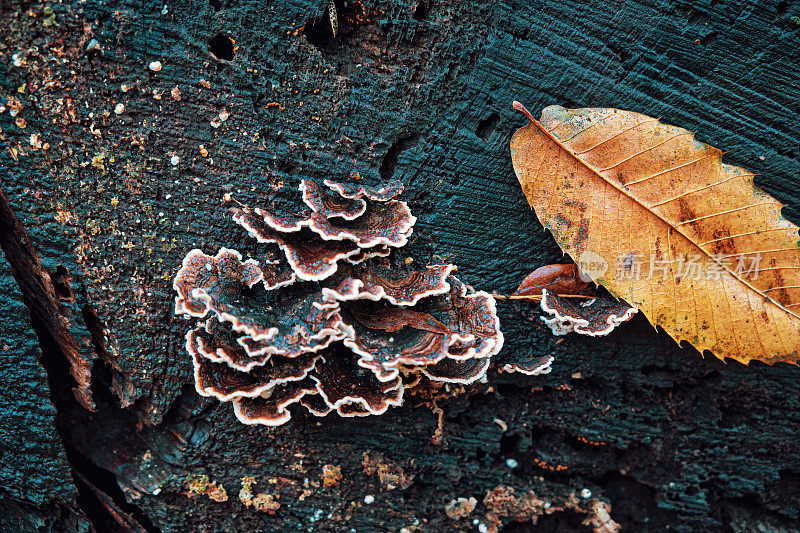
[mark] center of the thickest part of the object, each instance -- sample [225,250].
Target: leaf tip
[521,108]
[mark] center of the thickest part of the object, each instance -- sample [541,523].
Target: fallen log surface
[124,126]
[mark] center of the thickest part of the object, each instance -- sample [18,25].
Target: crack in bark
[39,296]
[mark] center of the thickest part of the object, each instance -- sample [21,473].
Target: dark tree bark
[116,167]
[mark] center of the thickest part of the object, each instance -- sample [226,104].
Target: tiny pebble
[175,160]
[93,45]
[586,493]
[155,66]
[482,528]
[369,498]
[511,463]
[119,109]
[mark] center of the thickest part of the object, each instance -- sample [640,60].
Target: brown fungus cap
[217,342]
[270,408]
[534,367]
[290,322]
[472,314]
[311,257]
[342,383]
[594,317]
[368,253]
[388,223]
[328,203]
[283,221]
[383,352]
[226,383]
[316,404]
[460,324]
[451,370]
[202,278]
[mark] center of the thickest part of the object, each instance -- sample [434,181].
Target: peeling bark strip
[39,297]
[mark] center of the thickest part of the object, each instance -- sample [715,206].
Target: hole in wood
[221,46]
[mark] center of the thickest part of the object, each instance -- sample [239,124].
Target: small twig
[538,297]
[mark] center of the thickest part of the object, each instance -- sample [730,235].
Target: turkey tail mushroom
[310,329]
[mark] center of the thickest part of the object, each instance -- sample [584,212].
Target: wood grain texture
[420,92]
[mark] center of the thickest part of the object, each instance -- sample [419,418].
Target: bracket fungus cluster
[333,324]
[584,314]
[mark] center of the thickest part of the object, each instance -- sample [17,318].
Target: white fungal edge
[307,199]
[279,284]
[612,320]
[350,400]
[403,233]
[313,411]
[221,355]
[180,307]
[271,221]
[563,324]
[193,339]
[283,413]
[357,291]
[464,381]
[366,254]
[374,194]
[210,392]
[543,368]
[289,253]
[382,372]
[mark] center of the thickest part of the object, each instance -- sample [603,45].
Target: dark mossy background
[419,91]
